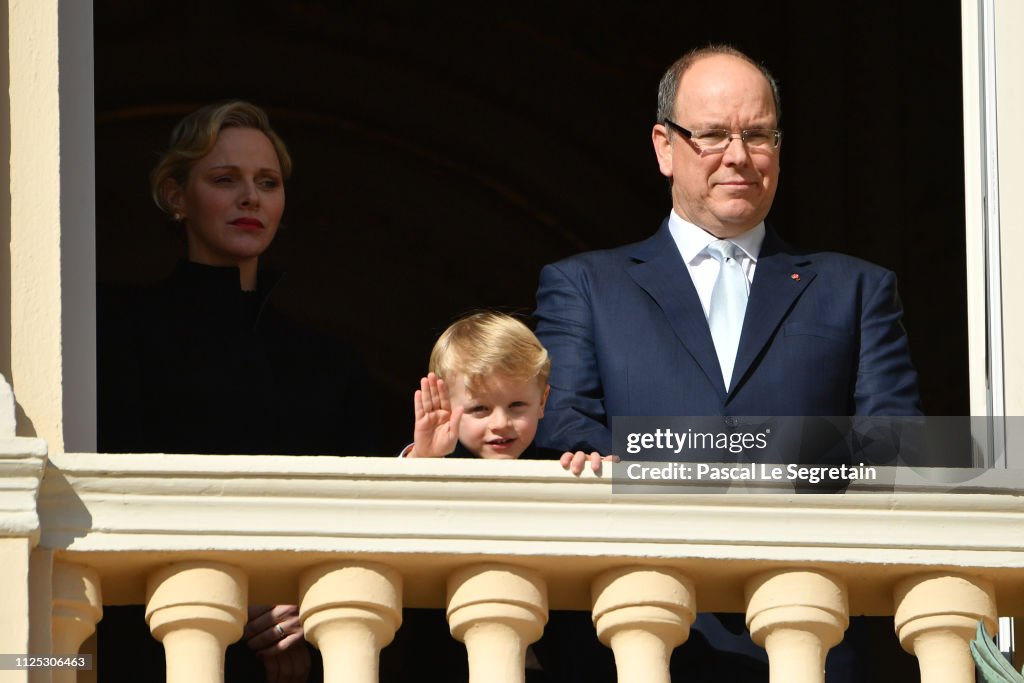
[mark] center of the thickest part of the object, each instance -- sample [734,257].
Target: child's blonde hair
[484,344]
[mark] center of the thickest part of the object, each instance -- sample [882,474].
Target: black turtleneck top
[193,364]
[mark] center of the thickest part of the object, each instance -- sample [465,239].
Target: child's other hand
[575,462]
[437,423]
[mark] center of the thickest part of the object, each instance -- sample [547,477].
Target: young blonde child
[484,394]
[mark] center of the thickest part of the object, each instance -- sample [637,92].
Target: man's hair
[488,343]
[196,134]
[669,86]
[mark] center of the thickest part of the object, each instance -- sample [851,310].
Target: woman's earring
[178,217]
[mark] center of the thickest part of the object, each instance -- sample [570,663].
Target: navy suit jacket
[627,336]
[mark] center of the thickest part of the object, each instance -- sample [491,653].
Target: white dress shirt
[692,243]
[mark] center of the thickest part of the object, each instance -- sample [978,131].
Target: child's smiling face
[501,414]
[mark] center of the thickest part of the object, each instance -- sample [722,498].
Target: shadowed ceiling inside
[445,152]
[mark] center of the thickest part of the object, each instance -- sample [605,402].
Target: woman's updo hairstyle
[196,134]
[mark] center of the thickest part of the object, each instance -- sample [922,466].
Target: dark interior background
[445,152]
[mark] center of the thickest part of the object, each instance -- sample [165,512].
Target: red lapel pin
[795,277]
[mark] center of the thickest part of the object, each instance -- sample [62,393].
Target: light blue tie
[728,305]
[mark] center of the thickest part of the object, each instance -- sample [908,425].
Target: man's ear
[662,149]
[172,194]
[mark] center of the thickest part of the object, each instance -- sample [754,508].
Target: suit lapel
[661,273]
[772,293]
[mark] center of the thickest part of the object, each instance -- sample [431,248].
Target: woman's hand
[274,633]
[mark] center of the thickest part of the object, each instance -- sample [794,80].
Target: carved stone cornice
[22,463]
[441,514]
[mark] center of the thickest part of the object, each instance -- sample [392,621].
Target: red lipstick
[248,223]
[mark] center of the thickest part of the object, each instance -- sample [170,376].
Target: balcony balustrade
[354,540]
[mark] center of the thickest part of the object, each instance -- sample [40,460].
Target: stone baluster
[797,615]
[642,614]
[497,611]
[936,619]
[196,609]
[77,606]
[350,611]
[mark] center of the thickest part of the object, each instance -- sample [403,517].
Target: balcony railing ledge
[274,516]
[22,465]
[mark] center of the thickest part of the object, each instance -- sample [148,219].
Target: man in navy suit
[628,328]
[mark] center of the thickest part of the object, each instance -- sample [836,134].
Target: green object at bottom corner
[992,666]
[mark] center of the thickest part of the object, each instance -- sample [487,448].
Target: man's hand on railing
[575,462]
[274,633]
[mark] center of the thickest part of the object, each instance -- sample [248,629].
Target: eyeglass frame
[688,134]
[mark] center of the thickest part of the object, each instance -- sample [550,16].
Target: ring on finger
[279,631]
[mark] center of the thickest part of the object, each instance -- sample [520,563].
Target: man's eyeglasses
[716,140]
